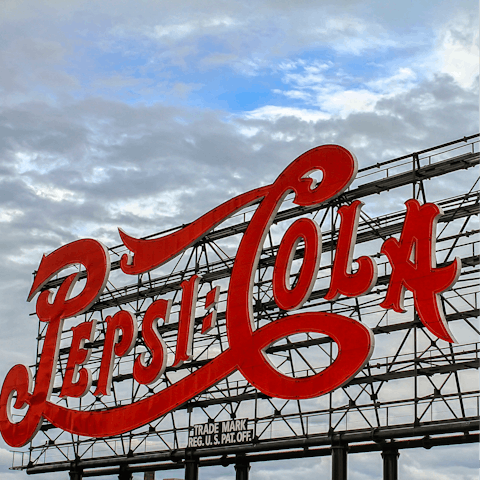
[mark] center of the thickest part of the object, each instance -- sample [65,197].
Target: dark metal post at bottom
[76,474]
[390,464]
[124,474]
[339,462]
[242,467]
[191,468]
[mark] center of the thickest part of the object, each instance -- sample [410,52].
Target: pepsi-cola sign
[412,260]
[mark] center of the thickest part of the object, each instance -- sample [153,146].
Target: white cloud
[56,194]
[458,50]
[311,75]
[9,214]
[181,30]
[354,35]
[343,103]
[399,82]
[27,161]
[5,457]
[165,205]
[273,113]
[312,86]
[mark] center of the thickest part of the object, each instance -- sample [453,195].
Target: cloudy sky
[145,114]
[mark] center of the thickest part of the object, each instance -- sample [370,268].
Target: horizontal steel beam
[425,442]
[358,380]
[377,435]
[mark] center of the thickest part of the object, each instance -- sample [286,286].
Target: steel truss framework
[416,391]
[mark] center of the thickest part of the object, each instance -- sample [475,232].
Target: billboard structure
[285,323]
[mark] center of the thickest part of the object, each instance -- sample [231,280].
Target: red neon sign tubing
[94,257]
[343,281]
[87,252]
[246,344]
[149,254]
[78,356]
[414,268]
[128,417]
[114,345]
[211,300]
[286,297]
[186,321]
[149,373]
[339,168]
[19,380]
[122,419]
[355,346]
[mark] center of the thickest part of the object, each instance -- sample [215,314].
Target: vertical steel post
[414,180]
[191,467]
[76,474]
[390,463]
[242,467]
[124,474]
[339,461]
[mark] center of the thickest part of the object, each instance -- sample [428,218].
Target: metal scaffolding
[416,390]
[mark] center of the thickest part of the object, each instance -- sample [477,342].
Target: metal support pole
[76,474]
[242,467]
[191,467]
[124,474]
[339,461]
[390,463]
